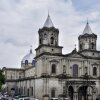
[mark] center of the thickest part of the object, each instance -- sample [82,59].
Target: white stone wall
[30,72]
[48,49]
[14,74]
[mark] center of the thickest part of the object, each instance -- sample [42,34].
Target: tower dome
[28,60]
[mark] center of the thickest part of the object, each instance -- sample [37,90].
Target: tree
[2,79]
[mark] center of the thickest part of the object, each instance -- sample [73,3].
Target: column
[94,96]
[75,96]
[45,82]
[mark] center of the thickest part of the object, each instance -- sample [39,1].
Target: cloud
[21,19]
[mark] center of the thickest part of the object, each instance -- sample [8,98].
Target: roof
[29,57]
[87,29]
[48,23]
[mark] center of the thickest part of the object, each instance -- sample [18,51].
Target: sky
[20,21]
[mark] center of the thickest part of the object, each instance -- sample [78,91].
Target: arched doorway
[82,93]
[70,92]
[85,93]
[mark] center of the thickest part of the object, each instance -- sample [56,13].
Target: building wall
[30,72]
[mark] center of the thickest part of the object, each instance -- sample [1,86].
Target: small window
[52,49]
[33,62]
[40,41]
[86,70]
[26,62]
[80,46]
[31,91]
[94,71]
[52,40]
[53,93]
[45,35]
[92,45]
[64,69]
[53,70]
[24,89]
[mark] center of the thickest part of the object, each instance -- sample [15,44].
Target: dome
[28,59]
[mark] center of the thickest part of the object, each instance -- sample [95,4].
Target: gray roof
[48,23]
[87,29]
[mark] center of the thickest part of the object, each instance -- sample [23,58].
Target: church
[52,74]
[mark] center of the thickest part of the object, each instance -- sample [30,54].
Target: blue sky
[21,19]
[84,5]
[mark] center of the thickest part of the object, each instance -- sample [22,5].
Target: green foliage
[2,79]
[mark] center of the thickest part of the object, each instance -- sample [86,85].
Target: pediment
[53,60]
[75,55]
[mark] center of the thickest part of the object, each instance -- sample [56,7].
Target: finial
[48,13]
[31,49]
[87,21]
[48,23]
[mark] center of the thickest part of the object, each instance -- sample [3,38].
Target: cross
[87,20]
[31,49]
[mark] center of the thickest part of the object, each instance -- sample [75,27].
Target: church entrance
[85,93]
[82,93]
[70,92]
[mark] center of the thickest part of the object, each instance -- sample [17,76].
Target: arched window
[53,93]
[26,62]
[52,40]
[24,90]
[28,91]
[33,62]
[94,71]
[80,46]
[86,70]
[75,70]
[53,69]
[64,69]
[31,91]
[40,41]
[19,91]
[92,45]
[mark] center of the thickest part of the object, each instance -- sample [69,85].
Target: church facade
[52,74]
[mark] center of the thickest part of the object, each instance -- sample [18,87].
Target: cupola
[28,60]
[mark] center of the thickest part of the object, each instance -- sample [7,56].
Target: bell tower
[48,35]
[87,41]
[48,39]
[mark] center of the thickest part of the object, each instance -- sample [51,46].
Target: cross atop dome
[48,23]
[31,49]
[87,29]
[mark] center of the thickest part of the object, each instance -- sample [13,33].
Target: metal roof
[87,29]
[48,23]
